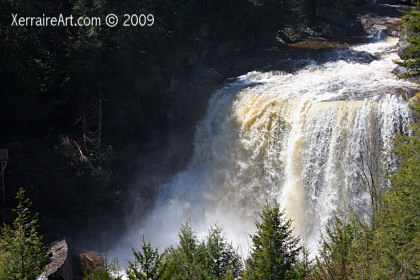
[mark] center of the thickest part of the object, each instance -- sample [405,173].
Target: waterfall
[303,138]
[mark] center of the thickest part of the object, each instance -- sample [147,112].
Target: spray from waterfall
[301,138]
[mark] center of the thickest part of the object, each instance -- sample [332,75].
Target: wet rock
[331,15]
[379,32]
[402,48]
[399,70]
[364,57]
[288,35]
[293,34]
[375,18]
[382,10]
[60,266]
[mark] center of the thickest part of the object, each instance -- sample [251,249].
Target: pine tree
[23,253]
[147,265]
[275,250]
[412,35]
[398,222]
[104,270]
[386,246]
[186,261]
[221,259]
[335,258]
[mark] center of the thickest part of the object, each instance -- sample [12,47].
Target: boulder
[60,266]
[364,57]
[331,31]
[293,34]
[402,48]
[399,70]
[379,32]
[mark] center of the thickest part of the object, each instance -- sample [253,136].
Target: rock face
[377,20]
[402,48]
[293,34]
[332,31]
[353,27]
[331,14]
[60,266]
[304,9]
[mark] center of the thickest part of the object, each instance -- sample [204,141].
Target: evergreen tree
[147,265]
[186,261]
[275,250]
[412,35]
[23,254]
[104,270]
[386,246]
[398,222]
[221,259]
[303,266]
[335,258]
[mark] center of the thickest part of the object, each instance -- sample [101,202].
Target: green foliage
[213,258]
[303,266]
[22,253]
[102,271]
[412,36]
[148,263]
[387,246]
[186,260]
[398,222]
[335,261]
[275,250]
[220,258]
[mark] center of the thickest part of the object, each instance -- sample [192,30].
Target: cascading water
[303,138]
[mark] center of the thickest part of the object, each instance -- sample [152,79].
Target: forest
[84,109]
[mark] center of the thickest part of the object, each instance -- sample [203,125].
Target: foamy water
[302,138]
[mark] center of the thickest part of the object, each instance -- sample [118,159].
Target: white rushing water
[300,138]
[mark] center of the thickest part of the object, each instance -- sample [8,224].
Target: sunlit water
[303,139]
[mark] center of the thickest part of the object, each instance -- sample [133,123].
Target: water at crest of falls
[302,138]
